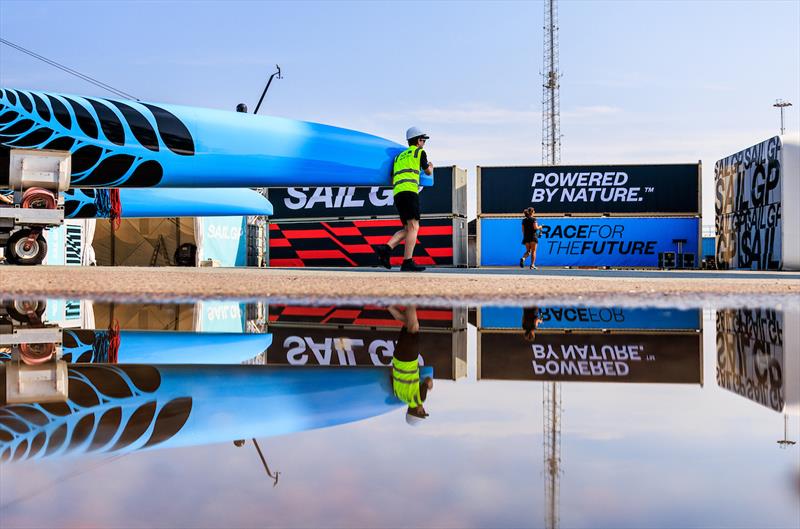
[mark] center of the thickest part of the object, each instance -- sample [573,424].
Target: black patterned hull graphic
[113,144]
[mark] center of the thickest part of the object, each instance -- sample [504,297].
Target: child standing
[530,237]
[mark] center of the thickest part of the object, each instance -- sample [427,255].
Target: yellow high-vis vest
[405,382]
[405,173]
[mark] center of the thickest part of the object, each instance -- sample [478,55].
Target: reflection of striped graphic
[74,237]
[367,315]
[351,243]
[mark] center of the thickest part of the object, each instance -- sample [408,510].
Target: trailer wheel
[20,250]
[26,311]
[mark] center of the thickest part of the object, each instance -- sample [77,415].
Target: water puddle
[220,414]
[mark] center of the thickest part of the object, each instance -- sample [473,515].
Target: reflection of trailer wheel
[21,310]
[22,251]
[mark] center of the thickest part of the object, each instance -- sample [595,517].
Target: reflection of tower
[551,155]
[552,450]
[786,442]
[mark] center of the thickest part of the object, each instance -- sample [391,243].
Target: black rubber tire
[19,311]
[34,257]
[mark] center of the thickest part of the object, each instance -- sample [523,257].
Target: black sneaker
[384,256]
[522,263]
[410,266]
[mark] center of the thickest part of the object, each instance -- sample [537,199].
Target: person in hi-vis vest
[405,180]
[407,384]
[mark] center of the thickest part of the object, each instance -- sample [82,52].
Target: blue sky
[649,82]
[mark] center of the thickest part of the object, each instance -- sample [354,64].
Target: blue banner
[598,241]
[584,317]
[224,240]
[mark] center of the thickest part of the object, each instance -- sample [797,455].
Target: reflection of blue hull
[160,203]
[165,347]
[118,143]
[123,408]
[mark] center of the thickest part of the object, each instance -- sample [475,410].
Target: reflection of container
[656,357]
[758,356]
[586,317]
[341,335]
[443,350]
[124,408]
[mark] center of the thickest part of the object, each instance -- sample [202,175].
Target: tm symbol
[650,358]
[649,189]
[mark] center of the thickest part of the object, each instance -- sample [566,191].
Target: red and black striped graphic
[352,243]
[365,315]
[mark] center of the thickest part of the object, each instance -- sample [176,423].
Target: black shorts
[407,203]
[407,347]
[526,240]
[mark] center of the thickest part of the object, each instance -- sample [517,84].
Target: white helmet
[415,132]
[414,420]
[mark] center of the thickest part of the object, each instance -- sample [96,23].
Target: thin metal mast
[551,113]
[551,155]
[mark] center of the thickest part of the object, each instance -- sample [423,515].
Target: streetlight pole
[781,104]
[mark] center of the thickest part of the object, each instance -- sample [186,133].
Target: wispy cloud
[467,114]
[590,111]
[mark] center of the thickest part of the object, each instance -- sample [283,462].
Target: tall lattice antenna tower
[551,155]
[551,112]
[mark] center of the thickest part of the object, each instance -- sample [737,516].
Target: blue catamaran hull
[123,143]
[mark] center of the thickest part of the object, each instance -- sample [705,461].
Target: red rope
[116,207]
[113,342]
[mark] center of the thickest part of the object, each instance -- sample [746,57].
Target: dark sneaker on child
[410,266]
[522,263]
[384,256]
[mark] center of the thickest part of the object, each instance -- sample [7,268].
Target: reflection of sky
[632,455]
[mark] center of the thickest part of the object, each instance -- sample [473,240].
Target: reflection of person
[531,318]
[405,180]
[530,237]
[406,382]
